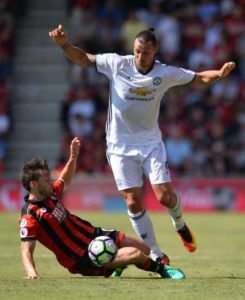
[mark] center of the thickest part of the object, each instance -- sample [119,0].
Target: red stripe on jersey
[61,256]
[30,228]
[80,223]
[53,222]
[120,237]
[77,233]
[63,233]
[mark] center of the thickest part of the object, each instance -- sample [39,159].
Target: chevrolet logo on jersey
[141,91]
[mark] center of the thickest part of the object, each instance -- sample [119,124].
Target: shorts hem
[162,181]
[128,187]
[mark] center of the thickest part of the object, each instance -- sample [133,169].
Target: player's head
[35,177]
[145,49]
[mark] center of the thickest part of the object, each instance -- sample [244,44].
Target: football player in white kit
[134,141]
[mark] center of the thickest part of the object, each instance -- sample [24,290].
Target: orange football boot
[187,238]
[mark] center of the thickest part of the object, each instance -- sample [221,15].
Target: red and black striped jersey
[49,222]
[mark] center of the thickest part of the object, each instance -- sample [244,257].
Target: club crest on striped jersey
[43,209]
[157,80]
[23,232]
[23,223]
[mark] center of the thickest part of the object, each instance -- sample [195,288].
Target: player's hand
[227,68]
[75,148]
[59,36]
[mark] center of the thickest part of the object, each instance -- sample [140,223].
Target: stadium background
[45,100]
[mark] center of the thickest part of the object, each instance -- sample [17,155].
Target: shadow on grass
[215,277]
[234,277]
[118,278]
[156,278]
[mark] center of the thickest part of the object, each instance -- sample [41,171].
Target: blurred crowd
[9,12]
[203,128]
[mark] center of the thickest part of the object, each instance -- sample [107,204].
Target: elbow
[202,81]
[206,81]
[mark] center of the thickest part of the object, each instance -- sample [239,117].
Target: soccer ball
[102,250]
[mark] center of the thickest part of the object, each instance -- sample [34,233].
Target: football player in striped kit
[44,218]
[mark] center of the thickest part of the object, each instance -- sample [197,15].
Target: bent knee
[133,204]
[133,199]
[166,196]
[134,253]
[167,199]
[129,241]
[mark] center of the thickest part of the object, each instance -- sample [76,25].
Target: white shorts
[130,163]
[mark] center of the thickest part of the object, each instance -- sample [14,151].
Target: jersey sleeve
[28,228]
[58,187]
[107,63]
[179,76]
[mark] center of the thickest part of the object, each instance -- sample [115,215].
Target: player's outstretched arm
[70,167]
[75,54]
[27,250]
[210,76]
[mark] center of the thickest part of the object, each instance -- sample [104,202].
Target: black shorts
[85,265]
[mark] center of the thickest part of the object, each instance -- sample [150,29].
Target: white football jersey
[134,100]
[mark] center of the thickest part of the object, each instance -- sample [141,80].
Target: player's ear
[32,184]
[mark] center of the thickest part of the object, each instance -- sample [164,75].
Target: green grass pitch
[215,271]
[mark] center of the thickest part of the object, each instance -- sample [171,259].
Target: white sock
[142,225]
[176,215]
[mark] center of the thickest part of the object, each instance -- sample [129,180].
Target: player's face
[144,55]
[43,187]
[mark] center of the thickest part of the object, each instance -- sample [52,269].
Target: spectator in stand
[80,115]
[4,64]
[4,130]
[179,150]
[218,156]
[199,58]
[240,56]
[112,10]
[207,9]
[213,33]
[109,33]
[82,29]
[193,29]
[83,4]
[6,27]
[168,32]
[227,90]
[234,22]
[4,123]
[152,14]
[130,28]
[238,160]
[9,10]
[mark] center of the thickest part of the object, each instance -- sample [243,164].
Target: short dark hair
[146,36]
[31,171]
